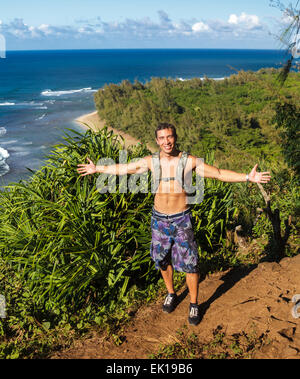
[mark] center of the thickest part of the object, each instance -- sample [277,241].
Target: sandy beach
[93,122]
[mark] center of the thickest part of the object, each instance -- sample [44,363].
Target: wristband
[247,178]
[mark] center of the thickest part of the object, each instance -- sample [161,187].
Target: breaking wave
[49,92]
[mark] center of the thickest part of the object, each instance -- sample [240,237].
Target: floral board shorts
[173,242]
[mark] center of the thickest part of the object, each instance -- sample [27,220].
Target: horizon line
[150,48]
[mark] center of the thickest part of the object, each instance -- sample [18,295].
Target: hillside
[74,259]
[234,117]
[246,313]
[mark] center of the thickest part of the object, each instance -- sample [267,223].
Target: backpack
[156,177]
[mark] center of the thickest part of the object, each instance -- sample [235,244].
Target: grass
[221,346]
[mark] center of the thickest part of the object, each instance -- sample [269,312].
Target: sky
[105,24]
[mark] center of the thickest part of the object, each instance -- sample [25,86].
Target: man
[173,245]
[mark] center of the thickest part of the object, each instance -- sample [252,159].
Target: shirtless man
[173,245]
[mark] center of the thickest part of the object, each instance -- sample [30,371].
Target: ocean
[43,92]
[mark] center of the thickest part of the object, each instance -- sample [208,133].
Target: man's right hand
[86,169]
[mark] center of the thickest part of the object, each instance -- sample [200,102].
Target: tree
[287,118]
[290,36]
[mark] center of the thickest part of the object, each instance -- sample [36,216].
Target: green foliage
[287,119]
[234,117]
[238,119]
[72,258]
[80,257]
[212,218]
[62,233]
[27,331]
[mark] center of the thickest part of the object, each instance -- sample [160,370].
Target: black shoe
[170,303]
[194,315]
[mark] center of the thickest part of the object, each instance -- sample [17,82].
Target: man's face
[166,140]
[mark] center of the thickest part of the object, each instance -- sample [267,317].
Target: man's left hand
[259,177]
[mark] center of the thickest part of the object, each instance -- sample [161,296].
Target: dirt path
[257,299]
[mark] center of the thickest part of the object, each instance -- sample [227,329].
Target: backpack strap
[156,176]
[180,168]
[185,181]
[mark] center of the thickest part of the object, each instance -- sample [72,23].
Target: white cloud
[245,20]
[241,26]
[200,27]
[46,29]
[233,19]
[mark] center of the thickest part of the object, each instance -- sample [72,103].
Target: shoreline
[93,122]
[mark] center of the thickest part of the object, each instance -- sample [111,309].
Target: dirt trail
[239,300]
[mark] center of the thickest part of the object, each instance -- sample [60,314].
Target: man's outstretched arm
[213,172]
[137,167]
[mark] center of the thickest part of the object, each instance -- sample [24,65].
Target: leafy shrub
[76,255]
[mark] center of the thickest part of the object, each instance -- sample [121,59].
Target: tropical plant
[290,35]
[74,246]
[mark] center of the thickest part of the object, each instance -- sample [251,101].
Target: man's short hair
[166,125]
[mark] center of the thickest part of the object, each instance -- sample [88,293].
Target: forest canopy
[235,117]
